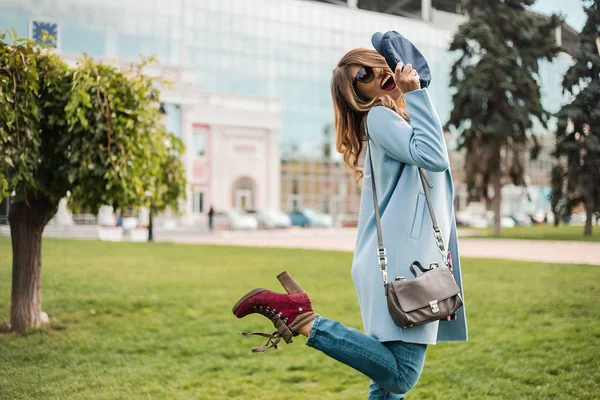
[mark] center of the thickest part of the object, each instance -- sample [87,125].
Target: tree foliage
[93,130]
[498,94]
[576,175]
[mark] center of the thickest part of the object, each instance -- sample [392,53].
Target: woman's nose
[378,72]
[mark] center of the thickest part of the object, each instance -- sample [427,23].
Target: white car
[577,219]
[130,223]
[271,219]
[472,219]
[507,222]
[521,219]
[234,220]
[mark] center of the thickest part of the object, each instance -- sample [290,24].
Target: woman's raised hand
[407,78]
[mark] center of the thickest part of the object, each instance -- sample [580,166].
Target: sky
[572,9]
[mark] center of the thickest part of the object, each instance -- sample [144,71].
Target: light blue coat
[398,148]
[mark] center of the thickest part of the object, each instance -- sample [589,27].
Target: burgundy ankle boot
[289,312]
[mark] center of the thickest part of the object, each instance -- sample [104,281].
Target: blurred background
[250,99]
[249,96]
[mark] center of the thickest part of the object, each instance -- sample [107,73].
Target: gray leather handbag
[431,296]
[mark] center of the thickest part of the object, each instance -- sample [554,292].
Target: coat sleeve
[419,141]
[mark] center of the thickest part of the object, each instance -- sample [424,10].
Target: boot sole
[246,297]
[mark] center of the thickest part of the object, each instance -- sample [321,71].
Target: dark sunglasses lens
[365,75]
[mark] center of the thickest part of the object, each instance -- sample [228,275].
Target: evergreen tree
[576,175]
[497,91]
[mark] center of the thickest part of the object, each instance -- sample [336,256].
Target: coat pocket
[415,231]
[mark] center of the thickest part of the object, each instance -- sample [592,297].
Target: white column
[426,10]
[274,171]
[353,3]
[558,33]
[220,179]
[187,128]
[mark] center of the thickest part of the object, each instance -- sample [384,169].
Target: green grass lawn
[154,321]
[540,232]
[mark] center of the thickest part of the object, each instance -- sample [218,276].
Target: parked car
[347,220]
[521,219]
[577,219]
[307,217]
[271,219]
[461,222]
[129,223]
[541,217]
[106,216]
[507,222]
[467,218]
[234,220]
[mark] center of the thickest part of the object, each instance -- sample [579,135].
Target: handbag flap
[437,284]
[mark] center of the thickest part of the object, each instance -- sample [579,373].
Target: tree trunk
[489,202]
[588,223]
[150,227]
[497,203]
[27,222]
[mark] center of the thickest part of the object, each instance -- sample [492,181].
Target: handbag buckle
[434,307]
[382,259]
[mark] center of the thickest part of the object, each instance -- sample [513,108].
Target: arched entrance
[243,194]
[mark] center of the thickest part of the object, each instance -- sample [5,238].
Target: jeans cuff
[313,332]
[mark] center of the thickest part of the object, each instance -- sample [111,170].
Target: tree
[171,165]
[91,133]
[576,175]
[497,93]
[168,187]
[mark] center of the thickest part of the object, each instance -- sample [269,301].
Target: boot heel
[288,283]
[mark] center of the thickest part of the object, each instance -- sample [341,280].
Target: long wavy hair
[350,109]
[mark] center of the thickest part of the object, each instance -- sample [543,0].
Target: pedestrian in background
[211,214]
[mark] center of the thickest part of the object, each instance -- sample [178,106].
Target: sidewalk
[344,240]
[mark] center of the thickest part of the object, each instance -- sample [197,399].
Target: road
[344,240]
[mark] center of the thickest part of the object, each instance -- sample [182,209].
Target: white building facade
[232,149]
[231,157]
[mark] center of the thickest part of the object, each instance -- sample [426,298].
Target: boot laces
[274,338]
[272,341]
[269,313]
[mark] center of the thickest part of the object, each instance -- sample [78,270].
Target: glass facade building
[283,49]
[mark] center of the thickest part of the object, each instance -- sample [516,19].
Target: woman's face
[382,83]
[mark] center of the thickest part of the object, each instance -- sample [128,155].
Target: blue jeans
[394,367]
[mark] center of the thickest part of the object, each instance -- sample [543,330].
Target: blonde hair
[350,109]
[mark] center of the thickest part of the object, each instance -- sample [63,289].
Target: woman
[405,134]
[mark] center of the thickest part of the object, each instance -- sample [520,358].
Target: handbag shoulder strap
[381,252]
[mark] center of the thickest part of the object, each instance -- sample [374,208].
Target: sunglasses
[364,75]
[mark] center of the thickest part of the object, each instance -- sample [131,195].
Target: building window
[199,142]
[172,118]
[198,203]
